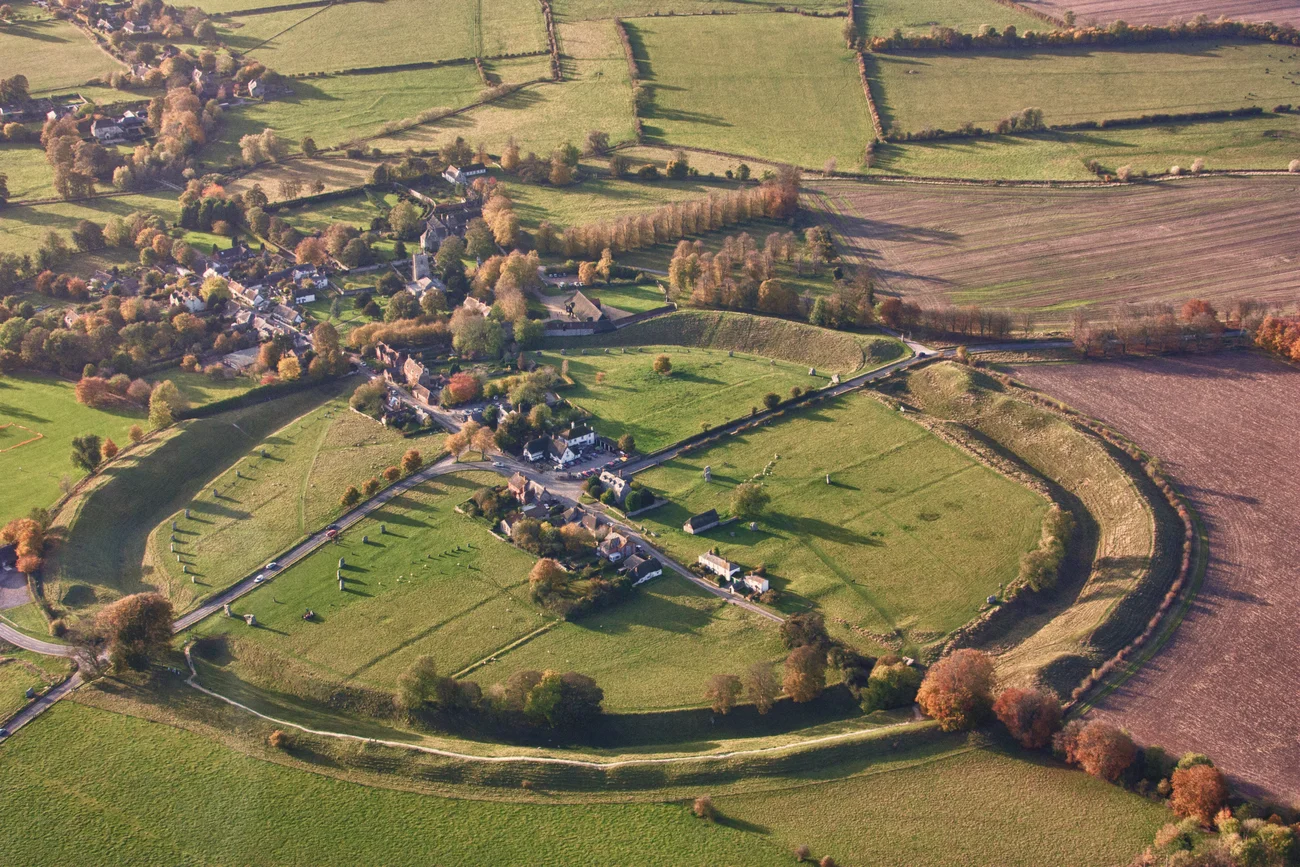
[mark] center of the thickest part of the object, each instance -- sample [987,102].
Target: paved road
[36,645]
[40,705]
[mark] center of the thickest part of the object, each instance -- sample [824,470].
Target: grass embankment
[747,84]
[106,527]
[906,808]
[828,351]
[53,54]
[938,90]
[438,583]
[284,487]
[595,94]
[1110,592]
[898,550]
[21,670]
[706,387]
[198,389]
[639,298]
[39,416]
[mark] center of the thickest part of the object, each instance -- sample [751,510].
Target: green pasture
[595,94]
[435,583]
[107,526]
[21,670]
[764,336]
[349,316]
[199,389]
[943,90]
[29,173]
[900,548]
[706,386]
[576,10]
[23,227]
[881,17]
[633,299]
[600,198]
[1268,142]
[656,650]
[781,87]
[39,416]
[55,56]
[357,209]
[286,486]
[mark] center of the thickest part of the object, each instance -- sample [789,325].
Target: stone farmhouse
[719,566]
[702,522]
[464,175]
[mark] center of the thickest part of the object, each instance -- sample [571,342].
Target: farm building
[719,566]
[702,522]
[464,174]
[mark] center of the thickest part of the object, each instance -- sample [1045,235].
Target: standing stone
[226,609]
[382,529]
[365,540]
[173,547]
[812,371]
[341,563]
[828,478]
[708,474]
[187,513]
[173,526]
[341,587]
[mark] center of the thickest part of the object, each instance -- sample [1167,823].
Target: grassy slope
[1079,464]
[936,806]
[943,90]
[21,670]
[828,351]
[598,199]
[30,474]
[108,524]
[705,386]
[595,94]
[1269,142]
[336,174]
[633,299]
[911,534]
[22,227]
[161,795]
[201,390]
[880,17]
[267,503]
[748,84]
[53,55]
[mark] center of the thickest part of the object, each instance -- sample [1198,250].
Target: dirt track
[1046,250]
[1226,426]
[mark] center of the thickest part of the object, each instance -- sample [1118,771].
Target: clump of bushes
[1040,568]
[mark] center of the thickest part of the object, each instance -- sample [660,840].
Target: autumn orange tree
[1030,715]
[136,628]
[1101,749]
[805,673]
[28,538]
[1199,792]
[958,691]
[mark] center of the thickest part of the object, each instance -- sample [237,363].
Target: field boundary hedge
[876,123]
[634,74]
[943,39]
[1156,119]
[548,16]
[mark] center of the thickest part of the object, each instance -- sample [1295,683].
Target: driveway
[13,589]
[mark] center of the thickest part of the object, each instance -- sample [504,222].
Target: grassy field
[108,524]
[53,55]
[39,416]
[30,175]
[597,199]
[335,174]
[357,209]
[595,94]
[1056,645]
[900,548]
[574,10]
[200,389]
[748,84]
[915,92]
[23,227]
[268,503]
[436,583]
[936,806]
[706,386]
[633,299]
[803,345]
[1004,247]
[349,316]
[880,17]
[21,670]
[656,650]
[1268,142]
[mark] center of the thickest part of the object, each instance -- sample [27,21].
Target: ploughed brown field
[1050,251]
[1227,683]
[1164,11]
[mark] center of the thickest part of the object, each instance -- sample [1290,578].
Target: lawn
[29,173]
[356,35]
[53,54]
[748,84]
[1268,142]
[202,801]
[349,316]
[286,486]
[23,227]
[39,416]
[435,583]
[900,548]
[357,209]
[656,650]
[881,17]
[595,94]
[200,389]
[633,299]
[706,385]
[916,92]
[21,670]
[108,524]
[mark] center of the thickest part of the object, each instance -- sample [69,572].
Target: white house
[642,569]
[186,298]
[563,453]
[719,566]
[536,450]
[464,174]
[579,436]
[756,583]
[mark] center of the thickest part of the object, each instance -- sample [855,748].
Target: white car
[272,566]
[498,464]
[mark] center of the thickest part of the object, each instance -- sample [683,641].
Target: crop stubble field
[1224,427]
[1163,11]
[1051,251]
